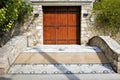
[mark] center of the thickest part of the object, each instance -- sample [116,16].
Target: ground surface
[61,69]
[63,62]
[63,77]
[43,58]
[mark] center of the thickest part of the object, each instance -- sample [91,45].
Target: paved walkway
[61,54]
[63,48]
[71,58]
[63,62]
[63,77]
[61,69]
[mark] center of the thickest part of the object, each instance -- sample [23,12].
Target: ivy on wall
[12,11]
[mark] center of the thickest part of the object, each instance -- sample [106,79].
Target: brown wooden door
[61,25]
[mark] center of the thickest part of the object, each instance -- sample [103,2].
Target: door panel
[61,25]
[72,33]
[72,19]
[61,34]
[49,19]
[49,35]
[62,19]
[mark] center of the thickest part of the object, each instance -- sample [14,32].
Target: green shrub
[12,11]
[107,16]
[24,12]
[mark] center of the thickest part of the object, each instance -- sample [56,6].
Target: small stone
[32,72]
[68,72]
[105,71]
[44,72]
[56,72]
[81,72]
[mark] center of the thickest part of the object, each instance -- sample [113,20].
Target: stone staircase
[61,59]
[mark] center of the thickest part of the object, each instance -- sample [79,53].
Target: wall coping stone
[113,45]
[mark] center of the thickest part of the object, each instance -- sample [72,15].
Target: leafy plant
[2,3]
[11,11]
[107,16]
[24,11]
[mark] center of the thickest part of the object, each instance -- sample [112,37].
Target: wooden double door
[61,25]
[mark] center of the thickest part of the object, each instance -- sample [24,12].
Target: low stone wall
[10,51]
[111,49]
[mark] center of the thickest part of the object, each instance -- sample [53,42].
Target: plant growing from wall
[11,11]
[107,18]
[24,11]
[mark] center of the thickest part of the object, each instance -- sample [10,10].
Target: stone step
[63,48]
[61,69]
[62,58]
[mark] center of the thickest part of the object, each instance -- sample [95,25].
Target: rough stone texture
[85,33]
[38,22]
[31,32]
[10,51]
[32,36]
[111,49]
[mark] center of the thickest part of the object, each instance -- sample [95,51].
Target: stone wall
[38,22]
[86,33]
[31,32]
[85,9]
[10,51]
[111,49]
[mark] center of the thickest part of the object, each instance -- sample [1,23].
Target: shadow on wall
[102,57]
[6,36]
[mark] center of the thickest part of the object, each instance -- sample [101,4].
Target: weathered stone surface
[111,49]
[2,71]
[118,57]
[10,51]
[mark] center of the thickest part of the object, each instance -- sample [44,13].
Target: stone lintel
[61,3]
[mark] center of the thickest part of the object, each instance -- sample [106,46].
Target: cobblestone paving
[61,69]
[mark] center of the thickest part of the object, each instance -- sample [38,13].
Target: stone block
[119,58]
[118,67]
[2,71]
[39,28]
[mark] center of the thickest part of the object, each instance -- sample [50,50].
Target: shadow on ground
[70,77]
[3,78]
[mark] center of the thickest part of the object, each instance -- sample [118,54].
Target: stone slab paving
[61,54]
[63,48]
[41,58]
[61,69]
[63,77]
